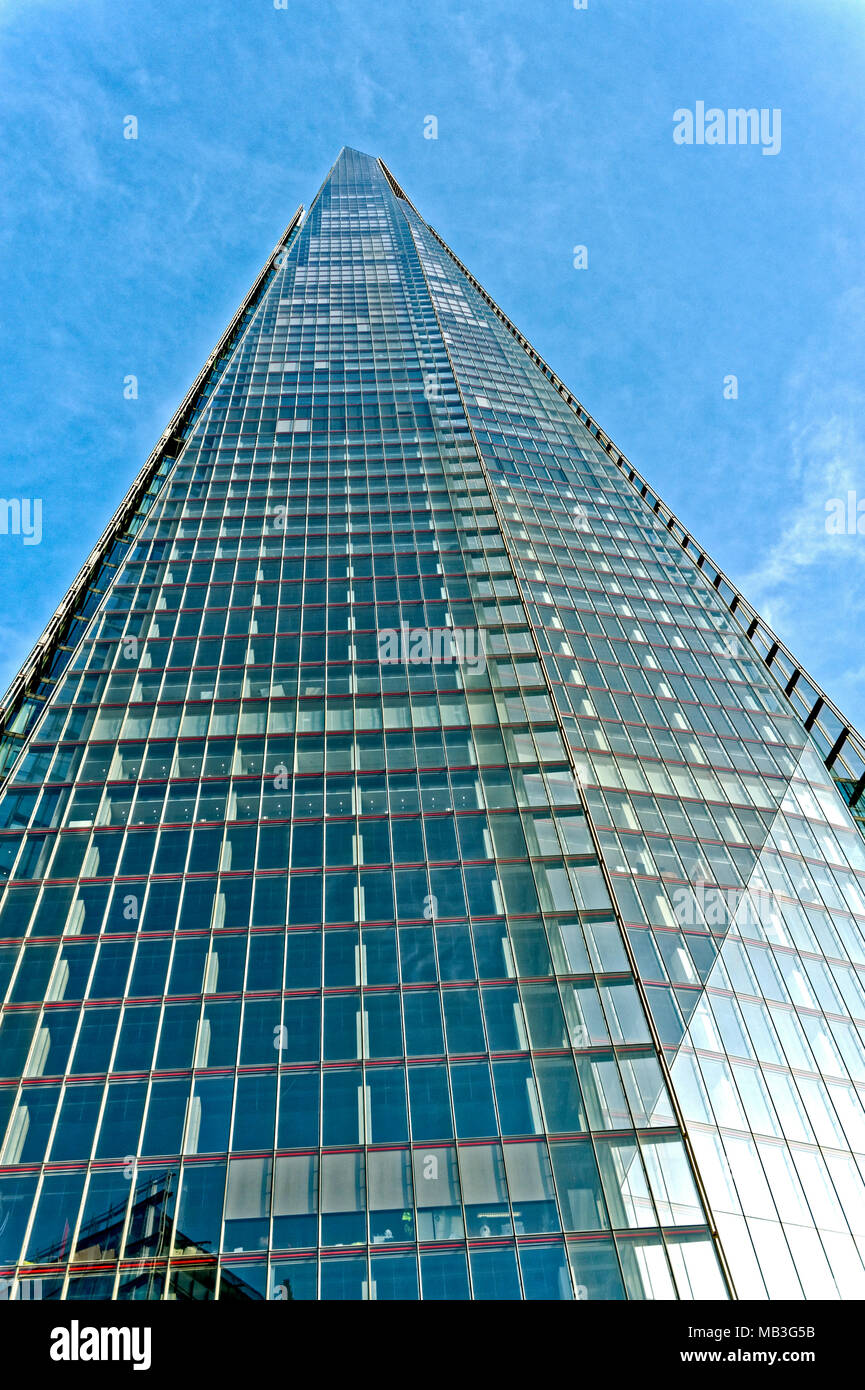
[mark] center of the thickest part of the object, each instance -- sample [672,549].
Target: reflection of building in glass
[147,1238]
[332,976]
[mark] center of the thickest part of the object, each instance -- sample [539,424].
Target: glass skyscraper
[423,874]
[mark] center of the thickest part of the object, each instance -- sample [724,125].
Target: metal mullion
[660,508]
[725,1272]
[51,638]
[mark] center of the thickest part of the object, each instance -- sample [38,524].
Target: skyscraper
[424,874]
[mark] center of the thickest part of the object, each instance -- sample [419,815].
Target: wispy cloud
[810,583]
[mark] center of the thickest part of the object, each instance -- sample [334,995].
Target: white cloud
[828,461]
[810,585]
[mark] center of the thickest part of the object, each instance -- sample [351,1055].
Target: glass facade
[524,963]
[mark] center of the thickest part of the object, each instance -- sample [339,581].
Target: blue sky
[555,129]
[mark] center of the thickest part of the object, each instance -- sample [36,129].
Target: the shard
[423,874]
